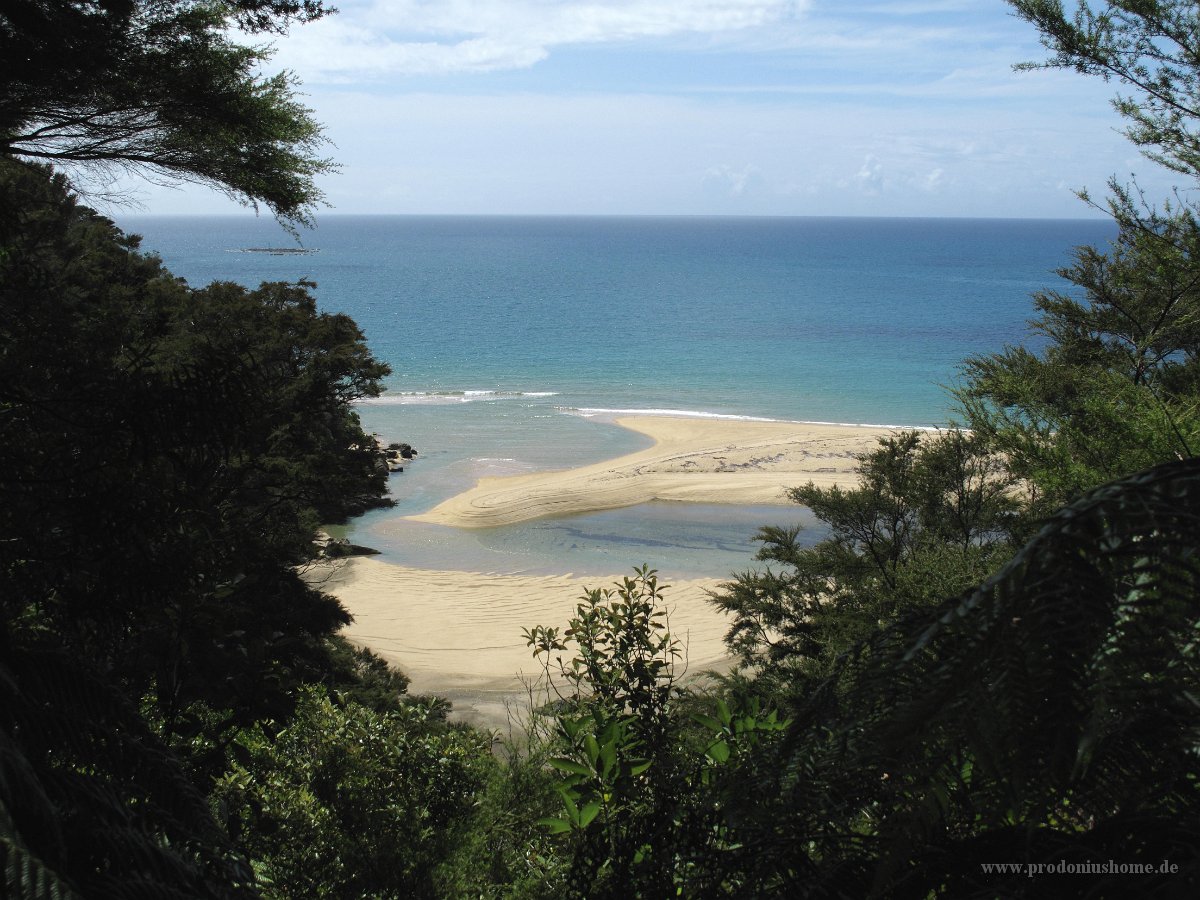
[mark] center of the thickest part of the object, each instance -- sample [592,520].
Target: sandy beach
[459,634]
[692,460]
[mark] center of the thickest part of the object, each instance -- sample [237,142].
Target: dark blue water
[509,339]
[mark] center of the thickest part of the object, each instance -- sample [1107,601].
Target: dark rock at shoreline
[333,548]
[342,549]
[394,453]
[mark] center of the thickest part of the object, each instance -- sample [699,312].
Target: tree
[165,456]
[929,517]
[165,452]
[1117,386]
[614,725]
[164,89]
[1147,45]
[346,801]
[643,789]
[1047,715]
[92,802]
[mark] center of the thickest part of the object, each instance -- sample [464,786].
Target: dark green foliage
[624,666]
[642,789]
[1048,715]
[165,455]
[930,517]
[1117,388]
[92,803]
[363,677]
[504,851]
[348,802]
[163,88]
[613,726]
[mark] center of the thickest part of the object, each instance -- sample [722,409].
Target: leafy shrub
[349,802]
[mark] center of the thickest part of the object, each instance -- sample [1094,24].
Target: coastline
[458,634]
[699,460]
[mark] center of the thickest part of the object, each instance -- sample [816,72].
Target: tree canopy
[167,450]
[1115,386]
[166,454]
[163,89]
[929,518]
[1147,45]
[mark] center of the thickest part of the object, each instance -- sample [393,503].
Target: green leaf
[555,825]
[589,812]
[637,767]
[723,712]
[569,765]
[569,803]
[608,757]
[719,752]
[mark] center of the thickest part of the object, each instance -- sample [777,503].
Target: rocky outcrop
[396,454]
[332,548]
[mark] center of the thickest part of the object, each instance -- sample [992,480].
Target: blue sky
[697,107]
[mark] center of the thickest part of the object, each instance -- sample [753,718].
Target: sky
[696,107]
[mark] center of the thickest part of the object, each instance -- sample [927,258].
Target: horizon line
[524,215]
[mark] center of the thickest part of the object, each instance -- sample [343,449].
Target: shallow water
[680,540]
[513,340]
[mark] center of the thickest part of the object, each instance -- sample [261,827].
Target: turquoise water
[513,341]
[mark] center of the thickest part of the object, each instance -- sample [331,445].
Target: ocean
[514,341]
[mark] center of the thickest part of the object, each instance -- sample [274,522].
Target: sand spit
[459,634]
[694,460]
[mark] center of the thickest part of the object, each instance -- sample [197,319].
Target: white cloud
[409,37]
[656,154]
[861,107]
[932,181]
[734,182]
[653,154]
[870,177]
[343,52]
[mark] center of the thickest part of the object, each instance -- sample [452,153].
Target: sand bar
[692,459]
[459,634]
